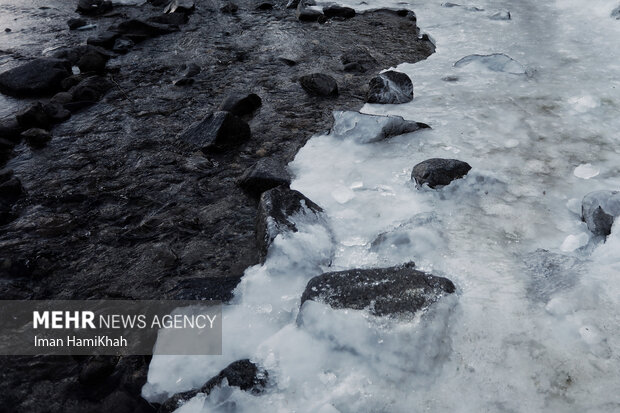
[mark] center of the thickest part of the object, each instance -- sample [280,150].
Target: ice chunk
[586,171]
[496,62]
[573,242]
[371,128]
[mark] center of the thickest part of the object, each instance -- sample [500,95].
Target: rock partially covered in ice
[599,209]
[216,131]
[276,208]
[265,174]
[496,62]
[319,84]
[371,128]
[615,13]
[390,87]
[338,11]
[241,104]
[40,76]
[384,291]
[242,373]
[439,172]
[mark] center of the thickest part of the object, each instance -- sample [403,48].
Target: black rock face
[385,291]
[319,84]
[242,373]
[390,87]
[265,174]
[38,77]
[217,131]
[438,172]
[599,210]
[241,104]
[275,208]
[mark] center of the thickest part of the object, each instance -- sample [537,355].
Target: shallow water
[528,330]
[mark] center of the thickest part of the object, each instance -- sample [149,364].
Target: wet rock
[36,138]
[177,19]
[308,15]
[71,81]
[138,30]
[6,150]
[122,45]
[92,62]
[229,8]
[61,98]
[338,11]
[90,89]
[40,76]
[96,370]
[220,288]
[265,6]
[385,291]
[439,172]
[104,39]
[180,7]
[357,60]
[217,131]
[275,209]
[599,210]
[500,15]
[85,56]
[10,186]
[390,87]
[10,129]
[264,175]
[241,104]
[319,84]
[496,62]
[292,4]
[94,7]
[10,191]
[56,112]
[187,79]
[34,116]
[242,373]
[75,23]
[371,128]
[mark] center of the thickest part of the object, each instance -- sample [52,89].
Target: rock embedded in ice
[390,87]
[242,373]
[319,84]
[276,208]
[241,104]
[586,171]
[265,174]
[364,128]
[615,13]
[383,291]
[599,209]
[338,11]
[439,172]
[38,77]
[217,131]
[496,62]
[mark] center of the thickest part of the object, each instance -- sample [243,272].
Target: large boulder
[384,291]
[217,131]
[276,208]
[242,373]
[599,210]
[371,128]
[319,84]
[390,87]
[38,77]
[439,172]
[264,175]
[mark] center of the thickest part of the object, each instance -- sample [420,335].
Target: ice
[586,171]
[521,338]
[496,62]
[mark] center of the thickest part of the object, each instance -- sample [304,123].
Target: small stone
[308,15]
[36,138]
[90,89]
[357,60]
[390,87]
[319,84]
[122,45]
[240,104]
[75,23]
[7,30]
[439,172]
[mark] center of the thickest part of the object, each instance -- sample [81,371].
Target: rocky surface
[386,291]
[437,172]
[115,205]
[599,210]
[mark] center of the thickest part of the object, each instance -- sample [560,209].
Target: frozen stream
[528,330]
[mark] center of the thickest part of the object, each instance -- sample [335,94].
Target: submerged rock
[338,11]
[40,76]
[390,87]
[242,373]
[371,128]
[241,104]
[275,209]
[496,62]
[599,210]
[439,172]
[216,131]
[384,291]
[265,174]
[319,84]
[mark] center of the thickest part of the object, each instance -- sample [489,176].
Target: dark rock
[84,53]
[104,39]
[338,11]
[138,30]
[241,104]
[220,288]
[371,128]
[56,112]
[184,81]
[90,89]
[75,23]
[390,87]
[71,81]
[308,15]
[218,130]
[5,175]
[357,60]
[265,6]
[122,45]
[34,116]
[229,8]
[159,2]
[438,172]
[40,76]
[92,61]
[94,7]
[385,291]
[10,186]
[7,30]
[97,370]
[6,150]
[292,4]
[190,71]
[10,129]
[177,19]
[265,174]
[319,84]
[180,7]
[36,138]
[615,13]
[242,373]
[599,210]
[275,209]
[61,98]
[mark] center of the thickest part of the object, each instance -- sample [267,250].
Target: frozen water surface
[526,332]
